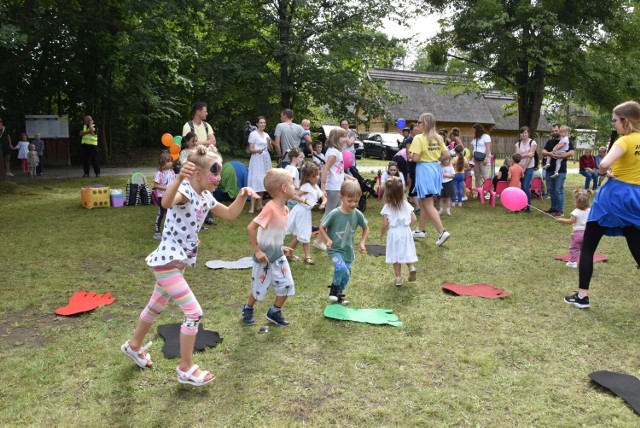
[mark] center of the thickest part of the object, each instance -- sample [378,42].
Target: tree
[523,46]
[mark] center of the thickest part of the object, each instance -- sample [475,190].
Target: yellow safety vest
[90,139]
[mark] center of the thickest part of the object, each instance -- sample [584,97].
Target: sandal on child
[398,282]
[308,261]
[145,361]
[412,275]
[293,258]
[188,377]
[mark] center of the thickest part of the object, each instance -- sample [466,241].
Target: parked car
[382,145]
[323,134]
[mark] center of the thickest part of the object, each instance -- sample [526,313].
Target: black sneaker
[247,315]
[342,300]
[558,214]
[550,211]
[333,294]
[276,318]
[577,301]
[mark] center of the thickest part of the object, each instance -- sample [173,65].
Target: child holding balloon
[333,175]
[578,220]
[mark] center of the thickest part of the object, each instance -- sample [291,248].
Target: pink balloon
[347,158]
[513,198]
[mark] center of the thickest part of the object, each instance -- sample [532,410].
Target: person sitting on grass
[266,235]
[188,199]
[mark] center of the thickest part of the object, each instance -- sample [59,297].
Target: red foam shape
[82,301]
[596,258]
[488,291]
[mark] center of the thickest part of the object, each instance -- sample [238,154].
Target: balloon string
[531,206]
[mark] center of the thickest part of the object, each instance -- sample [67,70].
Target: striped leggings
[170,283]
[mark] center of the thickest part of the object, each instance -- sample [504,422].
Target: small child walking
[398,220]
[448,188]
[23,152]
[338,231]
[33,160]
[163,178]
[266,235]
[299,223]
[560,149]
[296,157]
[188,199]
[578,219]
[460,166]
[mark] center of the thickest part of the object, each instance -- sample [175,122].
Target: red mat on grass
[488,291]
[82,301]
[596,258]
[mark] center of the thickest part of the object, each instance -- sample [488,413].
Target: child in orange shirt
[516,173]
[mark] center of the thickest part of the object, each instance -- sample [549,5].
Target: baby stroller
[367,187]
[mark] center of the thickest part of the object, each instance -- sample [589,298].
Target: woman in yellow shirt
[616,208]
[426,150]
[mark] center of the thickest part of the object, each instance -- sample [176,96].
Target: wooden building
[426,92]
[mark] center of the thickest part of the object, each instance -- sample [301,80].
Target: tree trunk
[530,95]
[285,13]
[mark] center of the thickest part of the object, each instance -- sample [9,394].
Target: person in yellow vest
[89,145]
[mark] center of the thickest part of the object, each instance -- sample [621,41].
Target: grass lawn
[457,361]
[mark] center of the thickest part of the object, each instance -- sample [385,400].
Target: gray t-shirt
[290,135]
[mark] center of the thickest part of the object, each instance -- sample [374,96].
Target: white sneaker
[487,196]
[319,246]
[443,237]
[460,204]
[440,211]
[419,234]
[572,264]
[448,212]
[546,166]
[9,174]
[556,175]
[464,198]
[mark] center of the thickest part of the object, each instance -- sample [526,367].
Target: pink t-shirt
[273,228]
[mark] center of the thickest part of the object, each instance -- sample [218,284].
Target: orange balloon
[175,156]
[174,149]
[167,139]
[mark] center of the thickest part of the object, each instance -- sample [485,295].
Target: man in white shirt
[202,129]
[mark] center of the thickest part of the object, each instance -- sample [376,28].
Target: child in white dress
[398,220]
[299,223]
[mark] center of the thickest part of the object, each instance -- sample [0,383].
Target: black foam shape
[171,335]
[623,385]
[376,250]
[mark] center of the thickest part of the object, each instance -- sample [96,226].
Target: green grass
[457,361]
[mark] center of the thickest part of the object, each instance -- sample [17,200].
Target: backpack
[137,192]
[193,129]
[536,160]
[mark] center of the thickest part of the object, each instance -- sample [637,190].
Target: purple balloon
[513,198]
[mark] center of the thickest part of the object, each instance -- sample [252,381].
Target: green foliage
[524,47]
[137,67]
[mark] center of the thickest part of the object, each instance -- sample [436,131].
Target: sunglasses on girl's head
[216,168]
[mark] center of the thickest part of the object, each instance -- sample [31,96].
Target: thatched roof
[426,92]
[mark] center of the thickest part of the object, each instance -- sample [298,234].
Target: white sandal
[134,355]
[188,377]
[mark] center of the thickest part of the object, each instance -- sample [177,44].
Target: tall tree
[523,46]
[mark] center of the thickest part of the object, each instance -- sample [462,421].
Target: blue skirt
[616,205]
[428,179]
